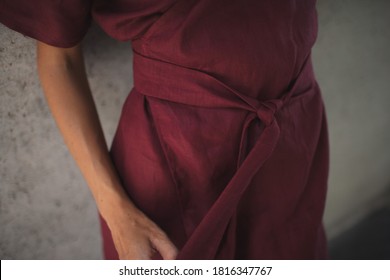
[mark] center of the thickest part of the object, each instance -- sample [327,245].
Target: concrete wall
[46,210]
[352,63]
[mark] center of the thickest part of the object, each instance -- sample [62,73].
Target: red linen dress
[223,139]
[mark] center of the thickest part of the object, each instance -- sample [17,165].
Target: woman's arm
[63,77]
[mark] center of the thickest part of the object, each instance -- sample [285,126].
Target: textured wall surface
[46,210]
[352,63]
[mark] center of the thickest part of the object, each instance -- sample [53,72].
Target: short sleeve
[60,23]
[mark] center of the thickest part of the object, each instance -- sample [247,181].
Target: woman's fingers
[139,239]
[164,246]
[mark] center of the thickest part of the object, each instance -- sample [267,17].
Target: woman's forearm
[67,91]
[69,97]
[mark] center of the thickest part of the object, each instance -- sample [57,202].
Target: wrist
[114,202]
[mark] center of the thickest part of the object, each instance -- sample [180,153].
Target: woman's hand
[136,237]
[66,88]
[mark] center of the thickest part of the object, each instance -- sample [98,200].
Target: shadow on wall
[369,240]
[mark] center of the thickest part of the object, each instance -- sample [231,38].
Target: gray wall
[352,62]
[46,209]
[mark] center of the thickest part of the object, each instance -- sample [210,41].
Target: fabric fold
[161,80]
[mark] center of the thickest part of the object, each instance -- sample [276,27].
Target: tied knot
[267,109]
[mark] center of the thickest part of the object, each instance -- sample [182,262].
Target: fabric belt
[174,83]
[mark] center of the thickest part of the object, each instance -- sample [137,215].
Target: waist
[179,84]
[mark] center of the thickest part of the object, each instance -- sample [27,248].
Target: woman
[221,151]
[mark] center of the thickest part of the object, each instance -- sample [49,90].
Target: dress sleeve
[60,23]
